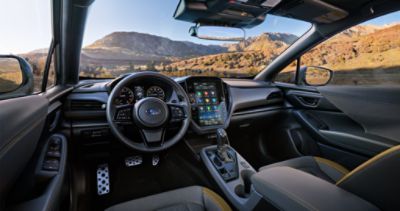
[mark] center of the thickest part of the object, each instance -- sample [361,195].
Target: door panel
[22,120]
[376,108]
[335,119]
[33,155]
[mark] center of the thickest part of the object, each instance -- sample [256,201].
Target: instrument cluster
[130,95]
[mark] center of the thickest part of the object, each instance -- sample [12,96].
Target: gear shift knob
[222,137]
[222,145]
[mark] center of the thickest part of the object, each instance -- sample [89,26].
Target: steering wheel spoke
[177,112]
[123,114]
[153,137]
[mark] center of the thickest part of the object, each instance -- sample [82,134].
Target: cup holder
[244,190]
[239,191]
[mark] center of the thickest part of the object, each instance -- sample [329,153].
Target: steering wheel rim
[143,145]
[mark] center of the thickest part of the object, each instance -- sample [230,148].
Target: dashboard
[215,103]
[206,95]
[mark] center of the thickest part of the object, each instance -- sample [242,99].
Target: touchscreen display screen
[208,103]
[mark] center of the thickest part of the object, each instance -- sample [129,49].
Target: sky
[26,24]
[156,17]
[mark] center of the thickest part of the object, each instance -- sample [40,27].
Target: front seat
[376,180]
[319,167]
[194,198]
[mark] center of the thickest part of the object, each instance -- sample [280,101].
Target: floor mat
[127,183]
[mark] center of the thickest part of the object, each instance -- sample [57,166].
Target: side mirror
[16,77]
[315,76]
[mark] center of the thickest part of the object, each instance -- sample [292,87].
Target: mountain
[360,30]
[126,51]
[139,46]
[263,42]
[360,47]
[250,55]
[364,48]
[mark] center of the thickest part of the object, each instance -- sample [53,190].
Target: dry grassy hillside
[379,48]
[367,55]
[363,52]
[245,58]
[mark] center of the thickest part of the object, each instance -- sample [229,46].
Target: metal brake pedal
[133,161]
[103,179]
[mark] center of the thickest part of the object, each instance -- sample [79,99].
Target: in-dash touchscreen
[207,100]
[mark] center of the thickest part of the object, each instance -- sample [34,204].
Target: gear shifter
[222,146]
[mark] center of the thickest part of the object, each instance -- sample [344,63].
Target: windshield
[125,36]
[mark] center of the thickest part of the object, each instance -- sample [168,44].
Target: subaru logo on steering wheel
[153,111]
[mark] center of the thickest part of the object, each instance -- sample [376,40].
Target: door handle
[308,101]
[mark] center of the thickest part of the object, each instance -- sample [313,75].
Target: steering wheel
[151,115]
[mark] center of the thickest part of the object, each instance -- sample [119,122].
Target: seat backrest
[377,180]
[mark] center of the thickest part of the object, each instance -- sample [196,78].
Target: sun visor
[314,11]
[233,13]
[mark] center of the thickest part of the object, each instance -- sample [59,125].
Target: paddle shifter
[223,146]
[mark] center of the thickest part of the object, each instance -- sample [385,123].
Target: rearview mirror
[219,33]
[316,76]
[16,78]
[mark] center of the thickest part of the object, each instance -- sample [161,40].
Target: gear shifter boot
[224,155]
[225,162]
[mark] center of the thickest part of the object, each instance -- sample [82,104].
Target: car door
[32,152]
[345,94]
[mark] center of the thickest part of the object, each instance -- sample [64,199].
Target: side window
[52,78]
[38,64]
[366,54]
[17,49]
[288,74]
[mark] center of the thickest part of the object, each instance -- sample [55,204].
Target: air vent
[87,105]
[275,96]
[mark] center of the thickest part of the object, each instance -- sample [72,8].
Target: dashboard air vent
[87,105]
[275,97]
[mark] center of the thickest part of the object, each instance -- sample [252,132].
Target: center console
[210,116]
[275,188]
[231,172]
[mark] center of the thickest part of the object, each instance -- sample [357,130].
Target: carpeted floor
[175,170]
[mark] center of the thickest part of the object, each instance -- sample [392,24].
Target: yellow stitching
[222,204]
[369,162]
[332,164]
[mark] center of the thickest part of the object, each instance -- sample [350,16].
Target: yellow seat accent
[221,202]
[332,164]
[367,163]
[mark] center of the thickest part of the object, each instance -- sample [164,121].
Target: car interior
[312,138]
